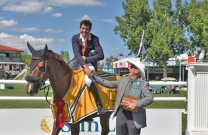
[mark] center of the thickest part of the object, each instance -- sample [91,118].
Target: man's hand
[131,106]
[88,71]
[84,58]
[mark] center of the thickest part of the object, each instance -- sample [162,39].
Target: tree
[133,22]
[196,21]
[164,29]
[100,65]
[168,33]
[65,56]
[25,58]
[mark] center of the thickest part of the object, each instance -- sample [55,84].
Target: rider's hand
[88,71]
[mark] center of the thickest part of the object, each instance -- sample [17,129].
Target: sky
[54,22]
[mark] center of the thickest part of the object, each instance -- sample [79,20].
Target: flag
[122,64]
[141,43]
[129,54]
[122,54]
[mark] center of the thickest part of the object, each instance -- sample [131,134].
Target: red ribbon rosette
[60,113]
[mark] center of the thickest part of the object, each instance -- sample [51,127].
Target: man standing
[88,51]
[127,122]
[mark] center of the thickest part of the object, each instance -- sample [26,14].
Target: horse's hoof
[88,119]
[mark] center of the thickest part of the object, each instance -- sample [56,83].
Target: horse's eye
[42,69]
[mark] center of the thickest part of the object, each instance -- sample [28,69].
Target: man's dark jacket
[92,44]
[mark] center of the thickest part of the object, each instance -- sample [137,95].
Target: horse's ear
[45,49]
[30,48]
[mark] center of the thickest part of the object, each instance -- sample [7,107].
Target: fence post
[197,106]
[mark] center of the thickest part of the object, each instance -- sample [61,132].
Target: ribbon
[60,113]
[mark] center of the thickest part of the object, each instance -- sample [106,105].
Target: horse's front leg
[75,128]
[56,130]
[104,122]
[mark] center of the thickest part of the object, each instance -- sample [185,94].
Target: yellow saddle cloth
[79,101]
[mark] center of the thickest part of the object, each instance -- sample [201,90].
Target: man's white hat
[140,66]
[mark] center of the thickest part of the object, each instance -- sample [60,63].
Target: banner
[40,122]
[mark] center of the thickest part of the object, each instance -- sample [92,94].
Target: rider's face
[84,30]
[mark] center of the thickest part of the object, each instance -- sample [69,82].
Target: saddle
[129,99]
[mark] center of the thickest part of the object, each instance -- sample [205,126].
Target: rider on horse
[88,51]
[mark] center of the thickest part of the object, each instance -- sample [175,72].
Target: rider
[88,51]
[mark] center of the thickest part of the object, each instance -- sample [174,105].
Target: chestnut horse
[46,64]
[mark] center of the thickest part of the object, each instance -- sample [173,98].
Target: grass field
[19,90]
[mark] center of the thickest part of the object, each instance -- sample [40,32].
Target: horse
[45,64]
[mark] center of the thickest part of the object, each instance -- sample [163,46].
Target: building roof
[6,48]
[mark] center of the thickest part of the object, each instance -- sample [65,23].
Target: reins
[46,93]
[46,88]
[40,80]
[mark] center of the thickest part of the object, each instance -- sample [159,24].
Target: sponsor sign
[40,122]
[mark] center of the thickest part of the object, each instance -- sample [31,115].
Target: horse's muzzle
[32,88]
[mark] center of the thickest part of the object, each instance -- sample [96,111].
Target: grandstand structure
[10,62]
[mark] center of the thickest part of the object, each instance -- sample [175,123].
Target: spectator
[201,55]
[128,122]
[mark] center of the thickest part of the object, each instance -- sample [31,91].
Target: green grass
[19,90]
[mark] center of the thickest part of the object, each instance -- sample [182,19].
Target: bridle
[39,80]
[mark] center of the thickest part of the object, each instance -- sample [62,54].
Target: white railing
[43,98]
[16,82]
[47,82]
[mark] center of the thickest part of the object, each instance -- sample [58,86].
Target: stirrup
[101,111]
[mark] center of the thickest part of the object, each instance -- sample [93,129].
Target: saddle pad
[80,102]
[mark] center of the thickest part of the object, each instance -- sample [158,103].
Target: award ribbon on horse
[60,113]
[129,99]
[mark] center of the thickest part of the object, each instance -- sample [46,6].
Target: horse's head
[38,70]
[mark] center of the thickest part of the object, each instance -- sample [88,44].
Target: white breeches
[88,80]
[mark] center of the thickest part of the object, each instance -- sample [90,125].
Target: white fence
[197,105]
[170,127]
[47,82]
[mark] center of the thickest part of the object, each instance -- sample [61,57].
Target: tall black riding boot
[96,95]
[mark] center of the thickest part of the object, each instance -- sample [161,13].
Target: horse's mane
[55,56]
[58,57]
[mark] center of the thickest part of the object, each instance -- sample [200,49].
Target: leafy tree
[65,56]
[133,22]
[196,20]
[164,29]
[99,65]
[168,33]
[109,61]
[25,58]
